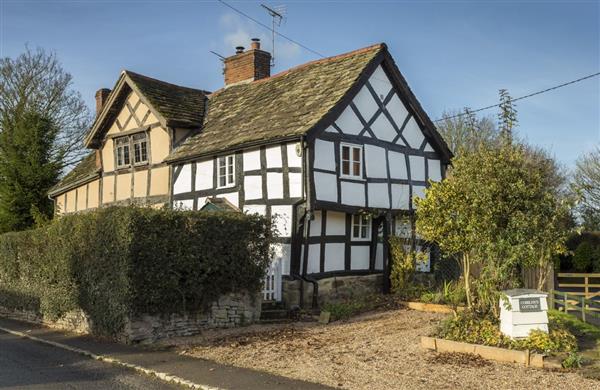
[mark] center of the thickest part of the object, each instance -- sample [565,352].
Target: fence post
[583,308]
[587,287]
[565,302]
[551,300]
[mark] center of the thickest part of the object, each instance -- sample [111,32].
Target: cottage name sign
[522,311]
[529,304]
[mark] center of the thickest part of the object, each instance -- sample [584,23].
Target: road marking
[166,377]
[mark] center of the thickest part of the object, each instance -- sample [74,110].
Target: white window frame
[229,171]
[143,143]
[120,152]
[364,221]
[351,161]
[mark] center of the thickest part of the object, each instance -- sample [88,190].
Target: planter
[433,307]
[525,358]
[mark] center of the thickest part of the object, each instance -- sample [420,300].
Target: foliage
[584,257]
[450,293]
[575,241]
[118,262]
[42,124]
[472,328]
[579,328]
[587,183]
[404,261]
[494,209]
[344,310]
[27,171]
[574,360]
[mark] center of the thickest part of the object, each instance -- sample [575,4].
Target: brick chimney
[246,66]
[101,96]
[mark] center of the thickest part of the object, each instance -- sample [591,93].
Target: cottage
[336,149]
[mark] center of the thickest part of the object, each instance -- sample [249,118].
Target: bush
[471,328]
[573,243]
[583,257]
[344,310]
[118,262]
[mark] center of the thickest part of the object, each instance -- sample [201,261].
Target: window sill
[227,186]
[352,178]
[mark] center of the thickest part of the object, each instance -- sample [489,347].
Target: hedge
[118,262]
[584,253]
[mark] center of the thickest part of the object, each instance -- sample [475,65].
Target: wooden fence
[582,284]
[587,309]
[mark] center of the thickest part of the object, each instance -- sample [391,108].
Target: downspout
[306,228]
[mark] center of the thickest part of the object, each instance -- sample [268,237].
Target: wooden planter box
[433,307]
[491,353]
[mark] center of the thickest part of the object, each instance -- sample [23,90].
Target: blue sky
[453,53]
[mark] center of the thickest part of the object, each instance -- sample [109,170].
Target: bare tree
[36,82]
[464,132]
[587,183]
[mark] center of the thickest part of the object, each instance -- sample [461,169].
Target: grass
[579,328]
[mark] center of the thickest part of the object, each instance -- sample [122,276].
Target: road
[26,364]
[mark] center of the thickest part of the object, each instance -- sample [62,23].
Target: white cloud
[238,32]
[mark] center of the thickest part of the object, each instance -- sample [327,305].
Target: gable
[133,114]
[382,111]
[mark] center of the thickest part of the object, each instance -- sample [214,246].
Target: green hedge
[121,261]
[584,253]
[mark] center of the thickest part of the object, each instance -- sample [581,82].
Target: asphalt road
[26,364]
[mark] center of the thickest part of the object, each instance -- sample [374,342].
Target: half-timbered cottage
[336,150]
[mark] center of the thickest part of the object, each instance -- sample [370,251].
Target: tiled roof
[176,104]
[86,169]
[282,106]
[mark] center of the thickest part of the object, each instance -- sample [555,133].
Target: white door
[272,283]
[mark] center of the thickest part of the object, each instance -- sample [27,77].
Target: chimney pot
[239,49]
[255,44]
[101,97]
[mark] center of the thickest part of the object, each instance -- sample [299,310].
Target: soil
[372,351]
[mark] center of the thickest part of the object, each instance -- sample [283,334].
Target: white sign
[521,311]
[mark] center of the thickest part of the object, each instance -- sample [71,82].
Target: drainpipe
[306,228]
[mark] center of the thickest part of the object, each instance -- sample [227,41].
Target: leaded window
[351,156]
[122,152]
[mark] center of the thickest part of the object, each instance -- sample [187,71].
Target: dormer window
[123,147]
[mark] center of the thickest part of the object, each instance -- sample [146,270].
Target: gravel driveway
[374,351]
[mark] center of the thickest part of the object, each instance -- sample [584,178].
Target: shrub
[118,262]
[344,310]
[471,328]
[583,257]
[574,360]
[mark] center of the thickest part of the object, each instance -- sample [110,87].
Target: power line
[269,28]
[437,120]
[522,97]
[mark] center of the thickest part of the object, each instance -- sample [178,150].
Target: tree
[36,82]
[587,183]
[42,125]
[464,132]
[495,210]
[27,170]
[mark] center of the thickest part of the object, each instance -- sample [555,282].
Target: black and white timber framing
[398,160]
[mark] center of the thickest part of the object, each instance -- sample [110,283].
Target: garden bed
[372,351]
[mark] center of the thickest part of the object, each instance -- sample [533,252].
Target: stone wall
[334,289]
[228,311]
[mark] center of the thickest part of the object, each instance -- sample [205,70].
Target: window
[226,171]
[361,227]
[351,160]
[140,148]
[122,151]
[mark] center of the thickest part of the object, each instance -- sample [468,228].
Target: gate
[272,282]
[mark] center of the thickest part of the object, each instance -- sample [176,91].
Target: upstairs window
[361,227]
[140,148]
[351,160]
[122,152]
[226,171]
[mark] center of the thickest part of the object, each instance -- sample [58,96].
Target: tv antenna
[277,15]
[221,58]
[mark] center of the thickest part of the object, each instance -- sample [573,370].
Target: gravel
[373,351]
